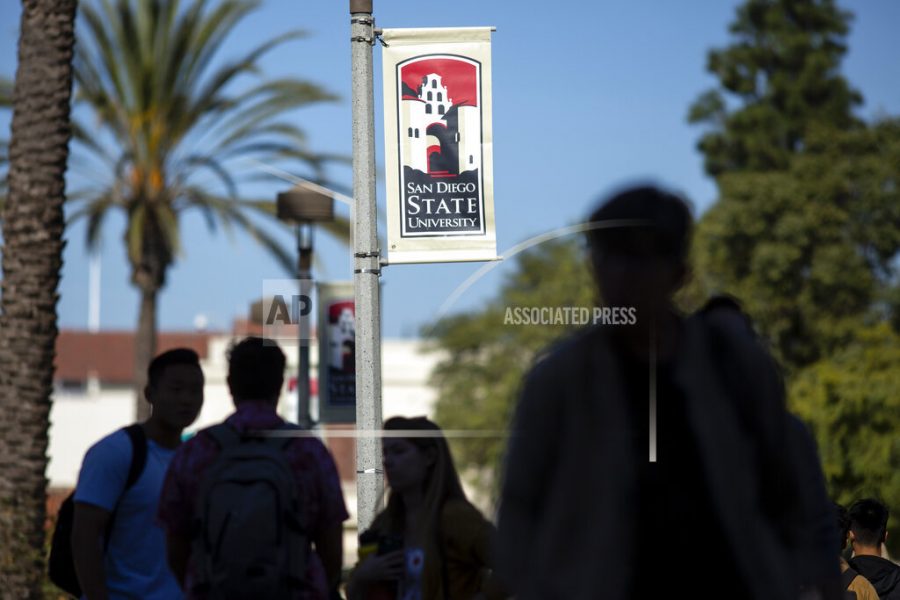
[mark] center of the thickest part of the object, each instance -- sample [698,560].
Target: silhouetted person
[429,542]
[584,512]
[118,547]
[868,531]
[249,514]
[851,581]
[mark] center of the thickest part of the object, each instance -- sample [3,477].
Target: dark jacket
[881,573]
[565,511]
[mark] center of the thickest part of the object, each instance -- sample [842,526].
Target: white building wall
[77,420]
[405,375]
[413,147]
[469,137]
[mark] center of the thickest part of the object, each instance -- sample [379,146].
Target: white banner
[438,145]
[337,352]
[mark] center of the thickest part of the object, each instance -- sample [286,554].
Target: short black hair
[662,224]
[843,523]
[255,369]
[176,356]
[868,521]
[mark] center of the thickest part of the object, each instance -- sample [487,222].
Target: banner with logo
[438,145]
[337,352]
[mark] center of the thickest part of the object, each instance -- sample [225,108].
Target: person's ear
[148,393]
[852,537]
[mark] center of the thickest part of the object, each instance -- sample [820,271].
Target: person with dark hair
[252,507]
[117,545]
[851,580]
[429,542]
[868,531]
[633,443]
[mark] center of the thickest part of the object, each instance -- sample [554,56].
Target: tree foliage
[806,230]
[485,354]
[782,70]
[175,113]
[809,249]
[806,226]
[851,402]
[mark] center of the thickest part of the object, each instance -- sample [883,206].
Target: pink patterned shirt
[317,479]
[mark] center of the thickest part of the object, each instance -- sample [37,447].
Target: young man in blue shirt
[117,545]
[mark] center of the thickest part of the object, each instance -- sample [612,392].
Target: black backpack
[249,539]
[61,565]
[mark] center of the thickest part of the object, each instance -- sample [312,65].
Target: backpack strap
[138,439]
[847,577]
[138,454]
[224,435]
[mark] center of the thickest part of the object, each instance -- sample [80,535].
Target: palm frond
[208,162]
[95,212]
[205,37]
[247,64]
[229,211]
[340,228]
[146,68]
[82,135]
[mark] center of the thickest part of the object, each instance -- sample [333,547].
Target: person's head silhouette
[639,247]
[868,526]
[255,371]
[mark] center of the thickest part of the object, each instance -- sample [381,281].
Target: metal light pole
[367,268]
[304,205]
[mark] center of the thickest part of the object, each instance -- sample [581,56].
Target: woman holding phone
[429,542]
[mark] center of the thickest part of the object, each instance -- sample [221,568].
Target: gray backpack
[249,540]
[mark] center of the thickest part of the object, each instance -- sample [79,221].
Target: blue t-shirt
[135,562]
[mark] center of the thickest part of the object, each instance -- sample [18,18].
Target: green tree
[782,69]
[145,69]
[851,402]
[805,228]
[32,257]
[486,354]
[810,249]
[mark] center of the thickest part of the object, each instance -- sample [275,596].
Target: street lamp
[304,205]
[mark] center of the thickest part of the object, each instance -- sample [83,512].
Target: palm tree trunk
[32,257]
[144,349]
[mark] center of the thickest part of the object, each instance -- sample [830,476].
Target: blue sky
[587,96]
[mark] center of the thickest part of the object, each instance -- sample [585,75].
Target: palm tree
[32,256]
[144,68]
